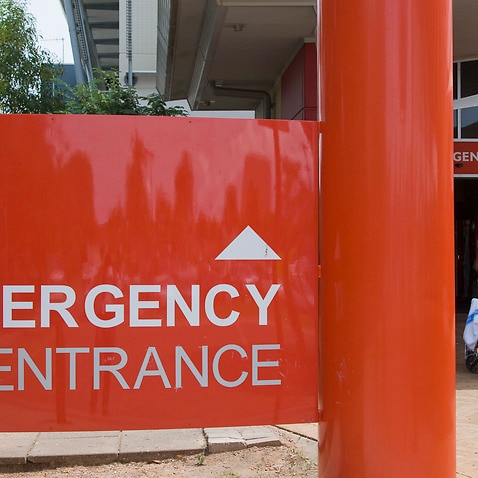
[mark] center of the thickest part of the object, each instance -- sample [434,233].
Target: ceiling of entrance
[465,29]
[226,52]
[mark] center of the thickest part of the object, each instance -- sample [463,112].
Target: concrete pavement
[68,448]
[466,410]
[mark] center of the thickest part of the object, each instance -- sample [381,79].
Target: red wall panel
[299,86]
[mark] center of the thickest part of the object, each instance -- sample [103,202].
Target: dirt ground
[281,461]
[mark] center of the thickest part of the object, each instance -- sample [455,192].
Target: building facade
[465,165]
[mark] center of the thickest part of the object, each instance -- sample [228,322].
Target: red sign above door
[465,158]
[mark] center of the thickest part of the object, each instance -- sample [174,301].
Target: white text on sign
[18,297]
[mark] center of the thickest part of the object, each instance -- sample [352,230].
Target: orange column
[387,390]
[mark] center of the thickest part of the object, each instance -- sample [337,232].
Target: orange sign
[157,272]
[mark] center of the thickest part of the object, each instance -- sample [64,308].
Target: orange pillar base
[387,287]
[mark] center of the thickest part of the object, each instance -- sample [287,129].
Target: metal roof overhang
[94,27]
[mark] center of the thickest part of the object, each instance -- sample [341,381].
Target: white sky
[52,27]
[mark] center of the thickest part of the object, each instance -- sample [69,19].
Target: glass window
[455,80]
[469,122]
[455,124]
[469,78]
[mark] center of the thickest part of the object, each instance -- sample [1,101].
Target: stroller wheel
[472,363]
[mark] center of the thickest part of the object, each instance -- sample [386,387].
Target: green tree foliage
[27,72]
[106,95]
[29,77]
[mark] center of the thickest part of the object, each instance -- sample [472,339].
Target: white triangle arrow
[248,245]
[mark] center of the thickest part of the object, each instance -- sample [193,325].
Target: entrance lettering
[99,362]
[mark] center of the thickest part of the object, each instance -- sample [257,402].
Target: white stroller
[470,337]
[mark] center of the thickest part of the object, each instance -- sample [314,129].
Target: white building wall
[144,39]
